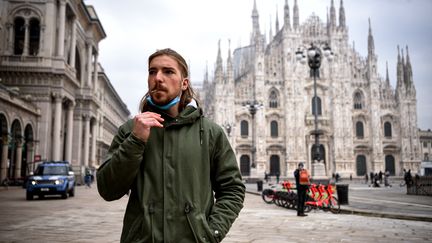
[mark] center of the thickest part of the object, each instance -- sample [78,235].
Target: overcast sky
[136,28]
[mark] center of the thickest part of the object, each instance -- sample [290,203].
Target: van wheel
[65,194]
[29,196]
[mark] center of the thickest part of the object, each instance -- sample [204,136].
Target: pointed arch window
[244,128]
[387,130]
[318,105]
[19,38]
[358,100]
[274,131]
[359,130]
[273,99]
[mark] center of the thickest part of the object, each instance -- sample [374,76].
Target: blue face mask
[164,107]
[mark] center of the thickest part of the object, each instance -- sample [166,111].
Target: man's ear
[185,84]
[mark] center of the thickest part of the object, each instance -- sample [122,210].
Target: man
[184,182]
[302,182]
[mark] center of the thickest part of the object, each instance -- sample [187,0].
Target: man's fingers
[149,119]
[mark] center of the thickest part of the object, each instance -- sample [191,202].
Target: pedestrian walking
[266,176]
[277,177]
[376,180]
[366,178]
[302,178]
[181,171]
[87,178]
[386,179]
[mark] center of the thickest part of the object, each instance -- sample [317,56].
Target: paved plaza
[87,218]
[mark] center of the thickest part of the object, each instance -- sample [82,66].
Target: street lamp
[228,128]
[314,58]
[252,107]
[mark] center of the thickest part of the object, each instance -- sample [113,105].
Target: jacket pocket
[199,227]
[134,233]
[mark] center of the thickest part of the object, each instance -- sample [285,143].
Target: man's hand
[143,122]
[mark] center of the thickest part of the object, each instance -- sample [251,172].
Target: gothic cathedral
[264,98]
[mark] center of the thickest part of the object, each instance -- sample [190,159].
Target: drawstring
[187,210]
[151,212]
[201,128]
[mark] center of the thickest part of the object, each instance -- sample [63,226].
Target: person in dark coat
[301,191]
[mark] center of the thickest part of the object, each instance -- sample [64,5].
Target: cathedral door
[390,164]
[245,165]
[361,165]
[274,165]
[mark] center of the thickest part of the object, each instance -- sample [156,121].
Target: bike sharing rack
[319,196]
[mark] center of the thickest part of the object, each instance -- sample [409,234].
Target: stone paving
[87,218]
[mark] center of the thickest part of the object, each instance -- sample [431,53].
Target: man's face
[165,81]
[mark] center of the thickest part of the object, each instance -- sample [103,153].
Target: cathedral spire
[387,75]
[229,67]
[277,21]
[255,20]
[399,71]
[371,44]
[219,60]
[342,20]
[287,22]
[408,68]
[206,76]
[229,53]
[296,16]
[270,31]
[332,15]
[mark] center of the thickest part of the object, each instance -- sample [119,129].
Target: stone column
[18,160]
[73,45]
[86,139]
[69,134]
[93,141]
[77,146]
[95,73]
[26,40]
[30,154]
[61,32]
[89,64]
[56,141]
[4,158]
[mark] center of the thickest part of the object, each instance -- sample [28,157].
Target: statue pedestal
[318,171]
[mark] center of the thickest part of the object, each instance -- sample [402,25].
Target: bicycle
[6,182]
[321,197]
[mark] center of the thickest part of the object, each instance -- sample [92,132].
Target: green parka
[184,182]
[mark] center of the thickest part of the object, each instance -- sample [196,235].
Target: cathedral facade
[264,98]
[56,102]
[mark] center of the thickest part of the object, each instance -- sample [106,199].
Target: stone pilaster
[61,28]
[56,141]
[4,158]
[86,140]
[73,45]
[18,159]
[69,134]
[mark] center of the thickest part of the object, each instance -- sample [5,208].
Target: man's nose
[159,76]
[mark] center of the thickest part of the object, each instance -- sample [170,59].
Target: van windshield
[51,170]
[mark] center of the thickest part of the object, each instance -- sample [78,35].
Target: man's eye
[169,72]
[151,72]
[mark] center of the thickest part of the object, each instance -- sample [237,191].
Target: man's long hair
[186,95]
